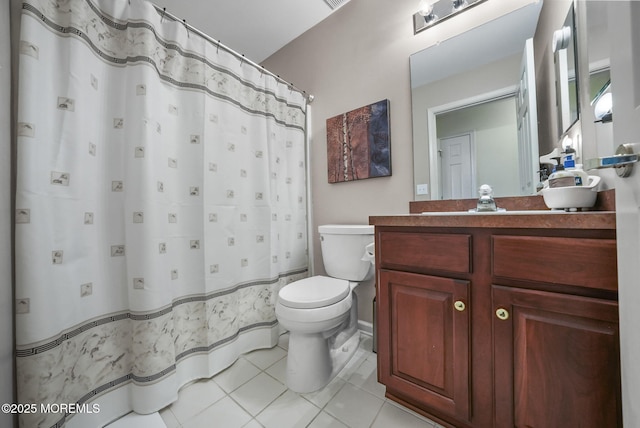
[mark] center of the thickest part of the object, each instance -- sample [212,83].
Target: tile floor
[252,393]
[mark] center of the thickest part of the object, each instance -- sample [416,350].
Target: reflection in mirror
[469,70]
[564,48]
[602,101]
[598,45]
[460,132]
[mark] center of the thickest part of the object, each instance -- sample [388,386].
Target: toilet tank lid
[314,292]
[346,229]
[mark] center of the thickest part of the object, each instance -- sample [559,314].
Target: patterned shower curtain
[160,205]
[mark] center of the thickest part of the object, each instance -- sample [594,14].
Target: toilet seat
[314,292]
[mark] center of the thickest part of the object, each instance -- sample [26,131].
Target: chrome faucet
[486,201]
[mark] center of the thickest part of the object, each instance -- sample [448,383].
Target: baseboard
[365,327]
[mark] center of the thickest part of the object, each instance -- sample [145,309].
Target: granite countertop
[519,220]
[454,213]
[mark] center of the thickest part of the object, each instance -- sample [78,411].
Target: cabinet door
[556,360]
[423,341]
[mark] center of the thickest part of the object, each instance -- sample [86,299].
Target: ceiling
[254,28]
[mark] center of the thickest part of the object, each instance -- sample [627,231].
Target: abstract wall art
[359,144]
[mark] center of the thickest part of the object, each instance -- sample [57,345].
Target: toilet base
[312,362]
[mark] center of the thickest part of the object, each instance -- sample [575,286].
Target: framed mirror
[565,58]
[454,86]
[597,52]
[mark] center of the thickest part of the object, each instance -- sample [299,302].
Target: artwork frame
[359,143]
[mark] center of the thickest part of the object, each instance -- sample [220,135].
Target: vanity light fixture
[458,5]
[425,9]
[567,144]
[431,12]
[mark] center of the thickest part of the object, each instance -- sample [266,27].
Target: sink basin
[517,212]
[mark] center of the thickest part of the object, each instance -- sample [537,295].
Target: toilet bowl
[321,312]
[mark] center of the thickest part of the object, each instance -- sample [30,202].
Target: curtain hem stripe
[22,352]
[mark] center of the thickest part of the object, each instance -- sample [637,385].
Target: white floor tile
[411,412]
[325,420]
[134,420]
[264,358]
[358,357]
[366,343]
[169,418]
[366,377]
[279,371]
[225,413]
[239,373]
[322,397]
[394,416]
[354,407]
[252,394]
[256,394]
[289,410]
[194,398]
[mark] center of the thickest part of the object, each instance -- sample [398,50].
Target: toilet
[321,312]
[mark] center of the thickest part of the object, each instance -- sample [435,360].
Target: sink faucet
[486,201]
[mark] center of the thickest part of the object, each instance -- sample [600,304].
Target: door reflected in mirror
[478,144]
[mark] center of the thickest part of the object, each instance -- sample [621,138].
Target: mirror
[457,77]
[597,51]
[595,78]
[565,58]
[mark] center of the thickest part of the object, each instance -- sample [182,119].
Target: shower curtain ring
[184,21]
[262,71]
[164,10]
[218,48]
[241,60]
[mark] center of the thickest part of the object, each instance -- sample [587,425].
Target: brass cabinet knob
[502,314]
[459,305]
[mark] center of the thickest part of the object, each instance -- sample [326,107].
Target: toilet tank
[343,250]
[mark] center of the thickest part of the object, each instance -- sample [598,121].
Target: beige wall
[359,55]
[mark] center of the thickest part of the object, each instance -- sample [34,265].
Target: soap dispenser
[486,201]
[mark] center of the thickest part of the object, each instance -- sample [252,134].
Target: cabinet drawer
[420,251]
[581,262]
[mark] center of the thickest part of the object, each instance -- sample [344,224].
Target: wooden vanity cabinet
[556,360]
[555,348]
[428,338]
[481,327]
[424,331]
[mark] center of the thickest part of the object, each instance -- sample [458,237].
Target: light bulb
[425,7]
[459,4]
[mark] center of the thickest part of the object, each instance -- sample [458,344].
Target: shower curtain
[160,205]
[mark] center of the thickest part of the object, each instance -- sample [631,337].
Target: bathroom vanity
[500,320]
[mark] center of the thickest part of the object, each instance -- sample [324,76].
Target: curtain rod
[190,28]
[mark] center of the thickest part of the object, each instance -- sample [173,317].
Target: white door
[624,31]
[458,167]
[527,118]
